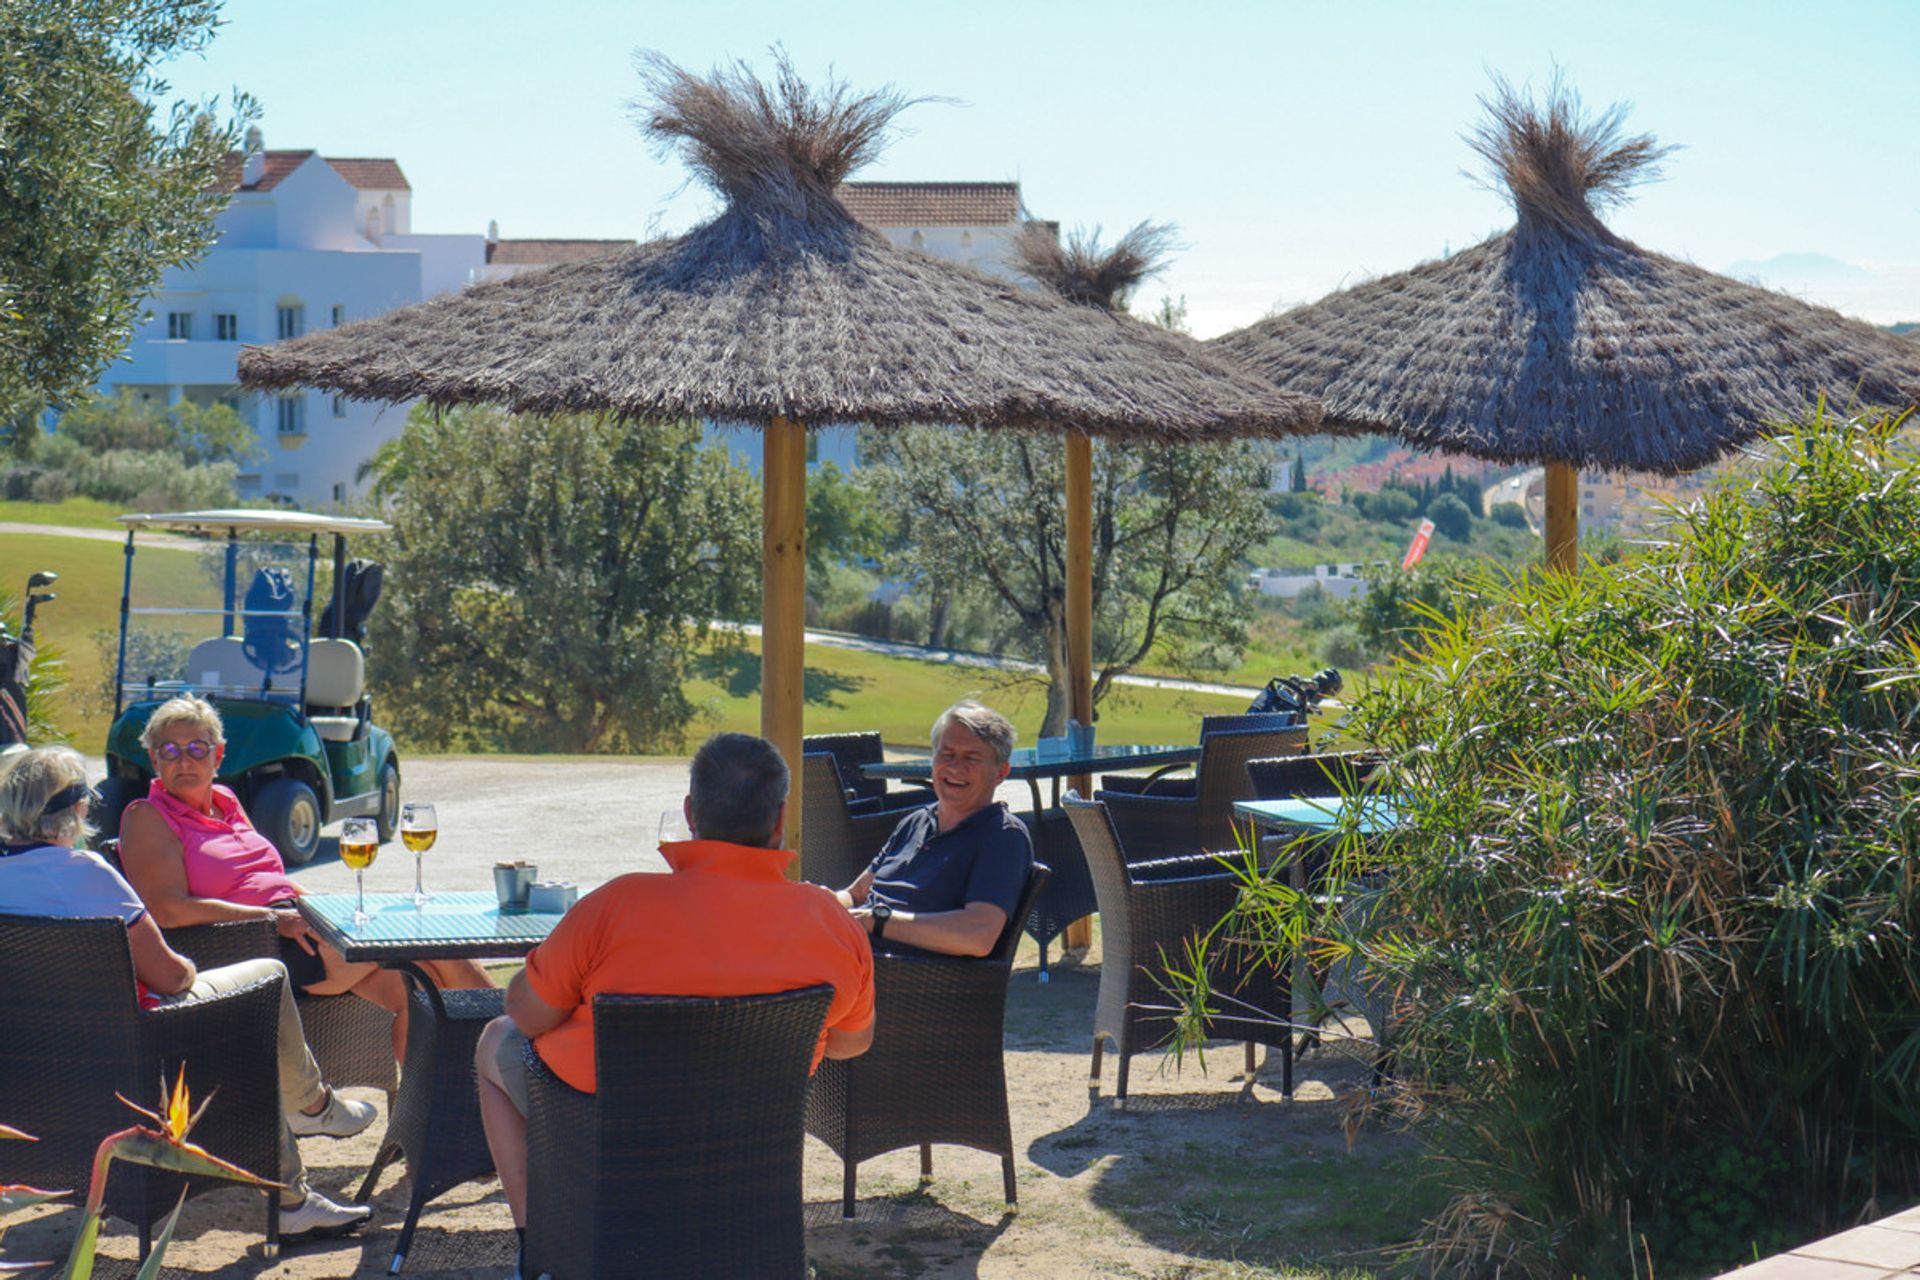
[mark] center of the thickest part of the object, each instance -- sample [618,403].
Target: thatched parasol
[1560,342]
[782,311]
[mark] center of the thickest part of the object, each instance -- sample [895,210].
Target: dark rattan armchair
[868,795]
[1149,913]
[687,1160]
[1174,817]
[1327,774]
[351,1038]
[72,1036]
[937,1069]
[836,844]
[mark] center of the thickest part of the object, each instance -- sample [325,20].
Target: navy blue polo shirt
[986,858]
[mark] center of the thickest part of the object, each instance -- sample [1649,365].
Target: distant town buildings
[307,241]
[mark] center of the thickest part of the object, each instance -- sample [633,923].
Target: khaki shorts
[512,1062]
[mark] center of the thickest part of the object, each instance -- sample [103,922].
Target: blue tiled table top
[1380,814]
[454,925]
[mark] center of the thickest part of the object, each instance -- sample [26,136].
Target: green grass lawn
[845,690]
[82,513]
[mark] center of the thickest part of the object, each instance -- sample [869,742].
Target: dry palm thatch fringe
[1560,341]
[1081,270]
[784,305]
[1555,165]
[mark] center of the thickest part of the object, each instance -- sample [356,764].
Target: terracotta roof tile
[371,175]
[929,204]
[367,175]
[546,253]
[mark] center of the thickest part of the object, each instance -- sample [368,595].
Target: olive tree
[549,578]
[100,188]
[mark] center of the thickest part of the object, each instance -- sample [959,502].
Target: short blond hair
[188,708]
[30,780]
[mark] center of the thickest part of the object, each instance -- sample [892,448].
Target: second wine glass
[359,844]
[419,828]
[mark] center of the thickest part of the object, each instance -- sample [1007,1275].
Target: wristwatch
[881,914]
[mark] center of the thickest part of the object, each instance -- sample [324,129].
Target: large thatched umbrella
[1560,342]
[1083,272]
[782,312]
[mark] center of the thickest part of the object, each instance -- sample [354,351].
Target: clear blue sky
[1296,145]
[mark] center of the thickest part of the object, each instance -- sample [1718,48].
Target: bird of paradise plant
[162,1147]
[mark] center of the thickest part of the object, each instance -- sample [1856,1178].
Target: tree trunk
[1059,673]
[937,622]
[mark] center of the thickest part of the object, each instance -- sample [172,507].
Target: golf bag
[1297,694]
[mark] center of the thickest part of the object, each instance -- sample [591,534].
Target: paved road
[103,535]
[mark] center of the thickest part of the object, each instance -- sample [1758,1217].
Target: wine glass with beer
[419,828]
[359,842]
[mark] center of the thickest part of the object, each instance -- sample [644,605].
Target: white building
[973,223]
[306,241]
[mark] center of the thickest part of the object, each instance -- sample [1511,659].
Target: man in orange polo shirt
[650,934]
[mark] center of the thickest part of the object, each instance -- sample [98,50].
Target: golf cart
[16,658]
[230,619]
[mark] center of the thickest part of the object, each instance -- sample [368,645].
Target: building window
[339,406]
[226,326]
[339,315]
[246,485]
[813,448]
[180,325]
[339,493]
[292,320]
[292,415]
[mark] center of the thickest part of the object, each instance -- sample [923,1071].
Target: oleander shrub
[1649,936]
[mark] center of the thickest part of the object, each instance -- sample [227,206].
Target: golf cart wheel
[287,812]
[387,821]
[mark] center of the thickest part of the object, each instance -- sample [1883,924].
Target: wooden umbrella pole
[1080,615]
[783,603]
[1563,516]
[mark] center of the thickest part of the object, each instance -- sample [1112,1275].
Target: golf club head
[44,578]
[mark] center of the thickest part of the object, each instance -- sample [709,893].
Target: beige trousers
[300,1082]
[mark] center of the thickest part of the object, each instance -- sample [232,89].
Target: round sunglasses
[199,749]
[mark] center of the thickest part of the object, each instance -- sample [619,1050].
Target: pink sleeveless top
[224,856]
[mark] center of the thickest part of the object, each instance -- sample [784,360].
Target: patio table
[1070,888]
[435,1125]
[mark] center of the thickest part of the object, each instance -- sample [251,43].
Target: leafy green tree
[844,524]
[96,198]
[196,433]
[1451,517]
[984,513]
[1299,477]
[549,578]
[1509,515]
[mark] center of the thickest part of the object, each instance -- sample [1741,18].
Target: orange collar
[718,857]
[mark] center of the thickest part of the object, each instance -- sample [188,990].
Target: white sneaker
[317,1217]
[340,1118]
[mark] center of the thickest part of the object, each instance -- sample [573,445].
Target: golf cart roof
[244,518]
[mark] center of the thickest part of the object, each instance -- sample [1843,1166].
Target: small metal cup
[511,880]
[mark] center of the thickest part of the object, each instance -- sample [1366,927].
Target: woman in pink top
[194,858]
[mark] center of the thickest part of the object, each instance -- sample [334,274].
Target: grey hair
[188,708]
[29,781]
[983,722]
[737,786]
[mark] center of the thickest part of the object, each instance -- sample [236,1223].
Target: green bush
[1510,515]
[1653,930]
[1451,517]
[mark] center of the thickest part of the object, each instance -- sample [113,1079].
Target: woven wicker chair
[869,795]
[1166,782]
[687,1160]
[937,1069]
[73,1037]
[835,843]
[1149,912]
[1327,774]
[351,1038]
[1169,820]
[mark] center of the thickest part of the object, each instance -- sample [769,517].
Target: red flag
[1419,547]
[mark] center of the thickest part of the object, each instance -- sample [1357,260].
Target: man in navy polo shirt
[951,873]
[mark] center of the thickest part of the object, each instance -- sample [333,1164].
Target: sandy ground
[1092,1203]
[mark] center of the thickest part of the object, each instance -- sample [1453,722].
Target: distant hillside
[1905,326]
